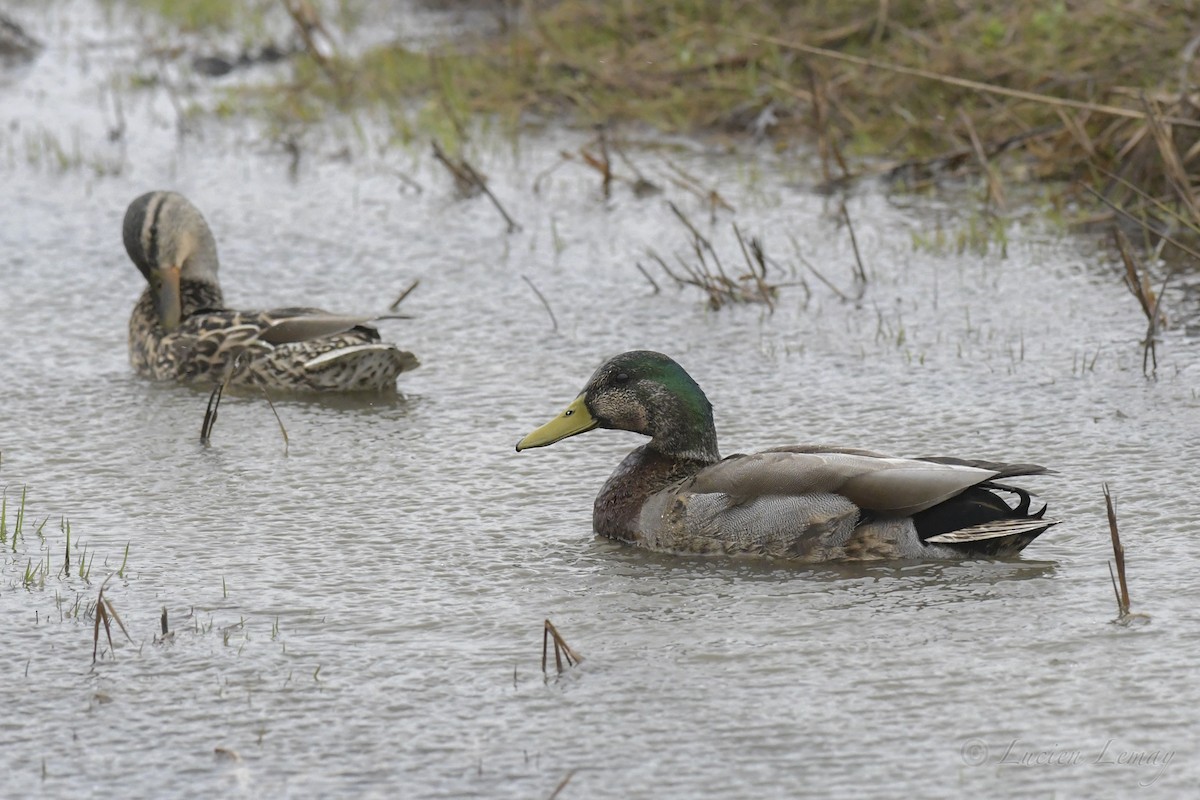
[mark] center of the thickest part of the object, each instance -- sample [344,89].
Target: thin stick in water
[210,413]
[282,429]
[561,648]
[545,302]
[861,273]
[1118,556]
[642,270]
[396,303]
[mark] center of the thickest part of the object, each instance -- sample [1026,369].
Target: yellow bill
[576,419]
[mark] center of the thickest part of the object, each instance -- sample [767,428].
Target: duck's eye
[622,377]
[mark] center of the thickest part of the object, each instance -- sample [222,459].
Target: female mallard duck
[811,504]
[180,329]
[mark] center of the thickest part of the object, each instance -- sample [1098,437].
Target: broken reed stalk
[545,302]
[1139,286]
[282,429]
[646,275]
[396,303]
[817,273]
[210,412]
[561,785]
[1118,556]
[860,271]
[690,183]
[104,613]
[467,178]
[603,164]
[759,259]
[462,179]
[561,648]
[751,287]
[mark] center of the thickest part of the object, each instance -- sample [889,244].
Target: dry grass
[1099,94]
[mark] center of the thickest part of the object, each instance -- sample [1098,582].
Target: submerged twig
[545,302]
[561,648]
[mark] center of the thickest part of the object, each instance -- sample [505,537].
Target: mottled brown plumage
[805,503]
[181,331]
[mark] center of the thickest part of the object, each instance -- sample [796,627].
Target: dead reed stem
[282,429]
[545,302]
[210,412]
[396,303]
[646,275]
[751,287]
[562,785]
[105,612]
[1119,556]
[1138,284]
[561,648]
[860,271]
[470,182]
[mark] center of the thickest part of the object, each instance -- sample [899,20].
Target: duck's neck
[678,417]
[642,474]
[199,296]
[194,297]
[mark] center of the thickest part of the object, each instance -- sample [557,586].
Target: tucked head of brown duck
[644,392]
[170,243]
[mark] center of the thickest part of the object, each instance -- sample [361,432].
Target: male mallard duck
[811,504]
[180,329]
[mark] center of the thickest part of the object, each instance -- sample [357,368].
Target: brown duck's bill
[165,282]
[576,419]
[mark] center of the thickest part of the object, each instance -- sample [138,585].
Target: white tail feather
[991,530]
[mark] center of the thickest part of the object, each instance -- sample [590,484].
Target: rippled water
[360,615]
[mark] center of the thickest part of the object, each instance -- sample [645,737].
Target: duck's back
[283,350]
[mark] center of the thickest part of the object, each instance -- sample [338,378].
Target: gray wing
[894,486]
[810,526]
[301,325]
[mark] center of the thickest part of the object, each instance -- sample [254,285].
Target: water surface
[360,614]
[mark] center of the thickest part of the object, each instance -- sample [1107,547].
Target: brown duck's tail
[365,367]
